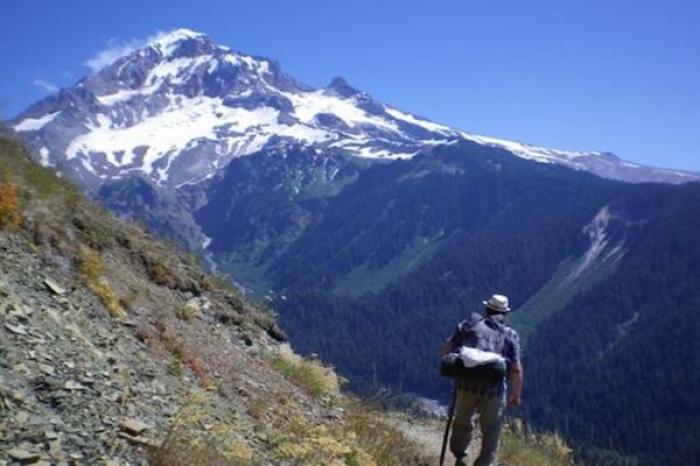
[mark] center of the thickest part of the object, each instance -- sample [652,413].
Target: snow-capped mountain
[180,108]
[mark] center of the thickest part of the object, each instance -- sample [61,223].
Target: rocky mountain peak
[341,87]
[180,62]
[182,41]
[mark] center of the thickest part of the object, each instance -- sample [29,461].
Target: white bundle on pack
[472,357]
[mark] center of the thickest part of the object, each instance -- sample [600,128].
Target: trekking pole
[450,413]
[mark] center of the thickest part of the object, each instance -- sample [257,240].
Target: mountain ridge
[215,104]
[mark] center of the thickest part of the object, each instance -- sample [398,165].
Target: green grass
[556,294]
[248,275]
[363,280]
[17,168]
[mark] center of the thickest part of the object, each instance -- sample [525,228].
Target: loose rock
[16,329]
[133,426]
[23,456]
[53,287]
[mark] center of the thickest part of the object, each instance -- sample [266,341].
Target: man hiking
[488,350]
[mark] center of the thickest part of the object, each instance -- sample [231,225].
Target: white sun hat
[498,303]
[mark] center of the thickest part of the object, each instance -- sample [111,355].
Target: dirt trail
[428,433]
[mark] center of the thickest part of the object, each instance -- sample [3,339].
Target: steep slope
[490,222]
[264,202]
[594,266]
[116,349]
[630,346]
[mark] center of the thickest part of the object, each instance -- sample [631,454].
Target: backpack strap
[477,331]
[471,321]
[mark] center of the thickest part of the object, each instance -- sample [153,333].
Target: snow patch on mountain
[530,152]
[183,125]
[308,105]
[44,154]
[35,124]
[167,42]
[427,124]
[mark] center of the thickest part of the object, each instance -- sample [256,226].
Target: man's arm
[447,347]
[516,383]
[452,343]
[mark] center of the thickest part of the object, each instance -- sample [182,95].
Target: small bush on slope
[90,265]
[308,374]
[10,214]
[522,447]
[186,444]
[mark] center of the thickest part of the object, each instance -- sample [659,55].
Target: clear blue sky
[617,75]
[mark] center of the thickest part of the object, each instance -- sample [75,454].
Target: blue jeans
[490,410]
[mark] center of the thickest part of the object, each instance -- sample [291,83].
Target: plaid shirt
[510,351]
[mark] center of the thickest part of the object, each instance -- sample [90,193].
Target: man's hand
[447,347]
[513,400]
[516,384]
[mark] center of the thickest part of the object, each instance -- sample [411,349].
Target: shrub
[386,445]
[175,367]
[10,213]
[108,298]
[308,374]
[184,357]
[197,368]
[522,446]
[187,311]
[95,234]
[187,444]
[158,272]
[90,266]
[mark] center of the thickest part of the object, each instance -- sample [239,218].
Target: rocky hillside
[117,350]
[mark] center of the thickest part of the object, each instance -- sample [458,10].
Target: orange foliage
[9,206]
[199,371]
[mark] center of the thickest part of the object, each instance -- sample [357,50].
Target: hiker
[489,350]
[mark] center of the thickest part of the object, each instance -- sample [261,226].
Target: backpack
[476,332]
